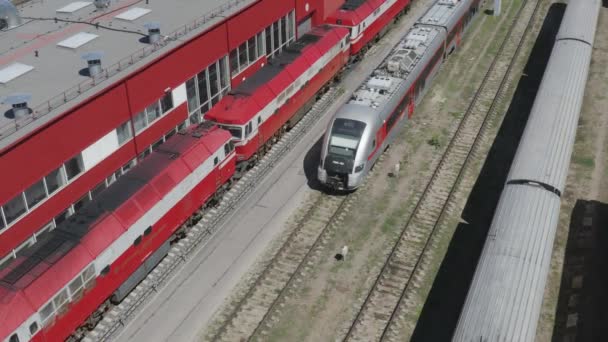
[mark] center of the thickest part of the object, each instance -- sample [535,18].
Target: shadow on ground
[581,309]
[311,163]
[440,313]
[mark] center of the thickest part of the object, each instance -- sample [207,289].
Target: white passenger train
[368,123]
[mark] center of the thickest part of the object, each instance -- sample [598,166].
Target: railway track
[384,311]
[260,303]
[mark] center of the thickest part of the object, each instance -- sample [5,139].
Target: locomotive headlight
[359,168]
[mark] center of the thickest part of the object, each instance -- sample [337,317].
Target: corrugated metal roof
[546,146]
[573,24]
[506,294]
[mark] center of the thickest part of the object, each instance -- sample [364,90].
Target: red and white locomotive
[367,21]
[279,94]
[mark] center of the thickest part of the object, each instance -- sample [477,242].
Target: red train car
[281,92]
[367,20]
[51,288]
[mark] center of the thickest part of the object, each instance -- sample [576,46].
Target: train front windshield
[344,141]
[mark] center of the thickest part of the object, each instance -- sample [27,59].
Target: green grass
[584,161]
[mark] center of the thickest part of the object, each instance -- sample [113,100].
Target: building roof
[44,57]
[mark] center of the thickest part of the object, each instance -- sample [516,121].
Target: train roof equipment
[445,13]
[408,57]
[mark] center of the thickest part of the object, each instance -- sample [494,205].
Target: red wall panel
[40,216]
[331,6]
[250,70]
[31,159]
[319,9]
[255,19]
[176,67]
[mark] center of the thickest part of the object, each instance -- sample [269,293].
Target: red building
[106,86]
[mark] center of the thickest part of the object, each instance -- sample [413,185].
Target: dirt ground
[577,280]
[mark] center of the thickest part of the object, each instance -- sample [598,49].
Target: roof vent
[101,4]
[9,16]
[94,61]
[153,32]
[19,104]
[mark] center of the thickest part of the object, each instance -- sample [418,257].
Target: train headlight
[359,168]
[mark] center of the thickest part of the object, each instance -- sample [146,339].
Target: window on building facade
[153,112]
[124,132]
[14,208]
[98,189]
[139,122]
[213,79]
[276,37]
[246,53]
[206,88]
[279,34]
[62,216]
[223,70]
[35,193]
[191,93]
[166,102]
[74,166]
[260,44]
[284,29]
[203,92]
[252,50]
[54,180]
[243,55]
[268,38]
[81,202]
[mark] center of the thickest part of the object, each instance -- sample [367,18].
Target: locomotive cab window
[345,136]
[237,132]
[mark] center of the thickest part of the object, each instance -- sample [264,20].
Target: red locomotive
[279,94]
[367,21]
